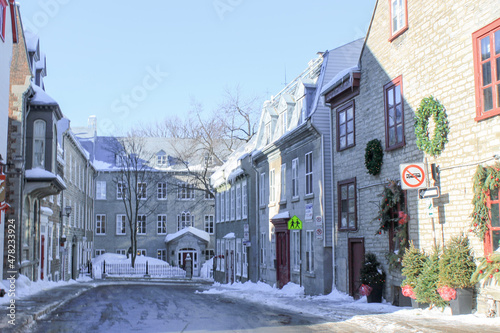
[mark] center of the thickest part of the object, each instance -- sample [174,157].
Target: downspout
[257,220]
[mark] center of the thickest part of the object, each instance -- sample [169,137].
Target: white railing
[140,269]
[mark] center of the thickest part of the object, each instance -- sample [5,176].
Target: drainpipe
[257,220]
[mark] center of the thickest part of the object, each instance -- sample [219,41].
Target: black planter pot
[417,305]
[376,295]
[463,303]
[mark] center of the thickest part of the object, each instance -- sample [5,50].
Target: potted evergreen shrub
[456,267]
[372,279]
[426,290]
[412,266]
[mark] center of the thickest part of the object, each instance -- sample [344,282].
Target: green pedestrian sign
[294,223]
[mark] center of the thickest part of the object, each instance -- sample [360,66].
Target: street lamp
[67,211]
[17,162]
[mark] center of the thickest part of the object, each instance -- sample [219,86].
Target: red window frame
[395,34]
[340,185]
[391,88]
[489,247]
[343,109]
[3,12]
[492,30]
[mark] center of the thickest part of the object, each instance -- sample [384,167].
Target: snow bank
[206,271]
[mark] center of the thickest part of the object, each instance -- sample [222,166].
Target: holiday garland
[488,268]
[373,156]
[392,197]
[430,107]
[485,179]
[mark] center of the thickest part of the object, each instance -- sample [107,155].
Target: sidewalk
[31,307]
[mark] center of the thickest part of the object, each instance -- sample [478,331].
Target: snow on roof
[282,215]
[234,174]
[46,211]
[339,78]
[39,173]
[197,232]
[230,235]
[103,166]
[31,40]
[41,97]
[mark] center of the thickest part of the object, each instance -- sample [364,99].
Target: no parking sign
[412,176]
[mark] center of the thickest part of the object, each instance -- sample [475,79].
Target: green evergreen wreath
[373,156]
[431,107]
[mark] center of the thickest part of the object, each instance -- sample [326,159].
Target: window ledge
[311,274]
[295,199]
[398,33]
[488,114]
[309,196]
[262,206]
[283,202]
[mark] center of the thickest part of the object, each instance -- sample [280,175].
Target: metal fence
[140,269]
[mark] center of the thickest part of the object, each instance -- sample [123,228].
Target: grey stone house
[177,218]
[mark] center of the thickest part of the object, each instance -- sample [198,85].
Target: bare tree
[134,179]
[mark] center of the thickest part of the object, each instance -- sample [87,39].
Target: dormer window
[267,133]
[119,160]
[161,159]
[284,121]
[39,144]
[399,17]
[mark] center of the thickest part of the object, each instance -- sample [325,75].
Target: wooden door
[283,258]
[356,257]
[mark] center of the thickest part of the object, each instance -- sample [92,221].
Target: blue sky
[130,62]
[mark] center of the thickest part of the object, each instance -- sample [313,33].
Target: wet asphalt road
[168,308]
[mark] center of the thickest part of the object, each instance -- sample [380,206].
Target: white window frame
[98,252]
[233,202]
[309,173]
[310,251]
[121,251]
[161,224]
[263,248]
[143,252]
[161,159]
[262,189]
[283,182]
[39,133]
[120,190]
[238,201]
[161,254]
[284,121]
[141,224]
[245,262]
[238,257]
[209,224]
[222,207]
[121,219]
[272,186]
[184,220]
[100,224]
[228,205]
[100,190]
[218,254]
[142,190]
[295,178]
[273,244]
[217,207]
[222,260]
[244,199]
[161,191]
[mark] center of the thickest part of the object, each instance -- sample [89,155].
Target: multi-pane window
[263,247]
[267,133]
[283,182]
[121,251]
[99,252]
[222,261]
[217,207]
[161,159]
[295,248]
[233,202]
[309,173]
[262,189]
[141,224]
[228,205]
[487,70]
[39,144]
[284,121]
[394,114]
[272,186]
[345,126]
[238,257]
[185,191]
[120,224]
[184,220]
[209,224]
[141,252]
[244,203]
[120,190]
[238,202]
[161,191]
[100,224]
[310,251]
[209,254]
[492,239]
[399,17]
[273,243]
[347,204]
[222,207]
[218,254]
[295,177]
[142,190]
[161,254]
[209,195]
[245,261]
[161,224]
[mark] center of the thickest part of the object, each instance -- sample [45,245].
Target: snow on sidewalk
[338,306]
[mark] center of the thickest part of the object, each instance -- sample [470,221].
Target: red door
[283,258]
[42,256]
[356,257]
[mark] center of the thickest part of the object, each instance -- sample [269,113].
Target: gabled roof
[41,97]
[189,230]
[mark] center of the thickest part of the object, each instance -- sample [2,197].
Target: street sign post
[428,193]
[412,176]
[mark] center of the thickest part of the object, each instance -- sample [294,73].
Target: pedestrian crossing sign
[294,223]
